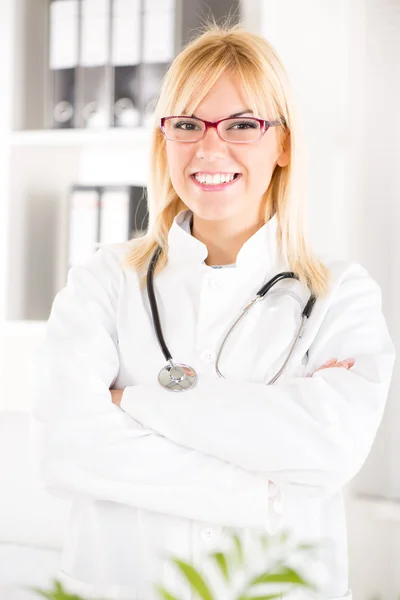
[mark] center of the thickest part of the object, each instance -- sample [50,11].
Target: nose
[211,147]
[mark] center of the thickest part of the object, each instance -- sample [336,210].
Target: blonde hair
[221,49]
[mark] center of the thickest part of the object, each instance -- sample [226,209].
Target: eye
[186,125]
[244,125]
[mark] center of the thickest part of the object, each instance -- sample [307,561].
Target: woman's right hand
[346,363]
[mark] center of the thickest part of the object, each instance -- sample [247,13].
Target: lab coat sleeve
[314,432]
[84,445]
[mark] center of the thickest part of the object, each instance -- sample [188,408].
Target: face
[238,201]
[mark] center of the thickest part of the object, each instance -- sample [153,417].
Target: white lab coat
[175,473]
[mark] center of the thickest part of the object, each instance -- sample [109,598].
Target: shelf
[80,137]
[21,323]
[383,508]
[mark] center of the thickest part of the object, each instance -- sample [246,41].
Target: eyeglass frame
[265,125]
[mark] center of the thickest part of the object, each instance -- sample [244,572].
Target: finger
[328,364]
[348,363]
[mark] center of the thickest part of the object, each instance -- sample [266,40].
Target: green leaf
[265,541]
[194,578]
[220,559]
[48,595]
[287,575]
[238,547]
[283,537]
[165,593]
[58,593]
[307,547]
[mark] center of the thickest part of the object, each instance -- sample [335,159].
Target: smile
[214,181]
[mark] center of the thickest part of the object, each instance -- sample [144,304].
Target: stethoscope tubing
[260,294]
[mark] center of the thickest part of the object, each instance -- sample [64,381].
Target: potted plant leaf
[280,570]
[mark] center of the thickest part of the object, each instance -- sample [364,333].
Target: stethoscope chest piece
[178,377]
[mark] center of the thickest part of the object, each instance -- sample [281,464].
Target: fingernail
[329,362]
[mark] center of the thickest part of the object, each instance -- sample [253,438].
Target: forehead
[225,97]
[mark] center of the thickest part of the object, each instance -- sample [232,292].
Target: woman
[151,472]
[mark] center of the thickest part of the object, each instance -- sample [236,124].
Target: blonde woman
[243,439]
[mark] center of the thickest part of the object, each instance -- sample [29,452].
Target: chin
[214,213]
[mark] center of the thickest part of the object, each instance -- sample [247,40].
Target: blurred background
[78,83]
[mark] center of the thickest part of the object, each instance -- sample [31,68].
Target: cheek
[178,160]
[260,163]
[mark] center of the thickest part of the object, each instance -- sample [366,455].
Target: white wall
[5,125]
[343,60]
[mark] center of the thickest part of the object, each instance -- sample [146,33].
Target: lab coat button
[207,356]
[207,534]
[215,283]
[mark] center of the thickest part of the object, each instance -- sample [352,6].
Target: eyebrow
[238,114]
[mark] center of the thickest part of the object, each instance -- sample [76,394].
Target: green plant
[280,571]
[57,593]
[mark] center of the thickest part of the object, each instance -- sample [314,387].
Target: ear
[283,159]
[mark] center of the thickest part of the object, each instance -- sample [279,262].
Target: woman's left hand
[116,396]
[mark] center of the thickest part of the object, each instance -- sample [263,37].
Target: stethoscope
[178,377]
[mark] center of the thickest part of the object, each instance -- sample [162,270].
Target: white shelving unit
[37,169]
[80,137]
[43,164]
[38,166]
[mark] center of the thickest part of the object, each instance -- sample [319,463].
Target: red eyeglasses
[239,130]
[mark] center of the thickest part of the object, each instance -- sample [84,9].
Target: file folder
[84,221]
[123,213]
[125,60]
[94,73]
[63,61]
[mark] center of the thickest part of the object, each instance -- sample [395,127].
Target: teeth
[214,179]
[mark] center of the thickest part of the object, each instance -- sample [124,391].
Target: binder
[158,51]
[125,59]
[63,61]
[94,73]
[159,31]
[123,213]
[84,220]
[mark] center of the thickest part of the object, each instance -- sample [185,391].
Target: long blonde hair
[217,50]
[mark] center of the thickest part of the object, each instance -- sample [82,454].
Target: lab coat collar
[258,252]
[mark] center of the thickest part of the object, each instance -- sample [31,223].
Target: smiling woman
[246,148]
[227,147]
[153,472]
